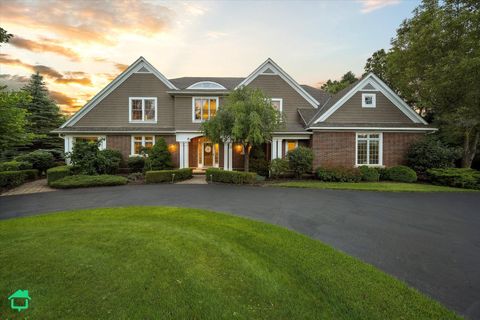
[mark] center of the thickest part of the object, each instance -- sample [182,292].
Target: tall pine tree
[43,116]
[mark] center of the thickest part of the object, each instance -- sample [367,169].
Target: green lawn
[171,263]
[371,186]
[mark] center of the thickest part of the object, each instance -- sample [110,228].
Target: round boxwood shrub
[40,160]
[136,164]
[401,174]
[278,168]
[369,174]
[300,160]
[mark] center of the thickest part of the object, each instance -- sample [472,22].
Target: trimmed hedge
[15,166]
[40,160]
[136,164]
[10,179]
[338,174]
[31,174]
[57,173]
[159,176]
[84,181]
[455,177]
[401,174]
[369,174]
[235,177]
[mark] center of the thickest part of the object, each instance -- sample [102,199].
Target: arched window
[207,85]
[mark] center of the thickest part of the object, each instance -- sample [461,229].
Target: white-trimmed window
[369,148]
[369,100]
[142,109]
[139,142]
[204,108]
[291,145]
[277,104]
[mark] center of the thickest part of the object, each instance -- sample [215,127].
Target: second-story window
[204,108]
[277,104]
[143,109]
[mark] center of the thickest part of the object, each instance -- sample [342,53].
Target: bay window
[139,142]
[369,149]
[143,109]
[204,108]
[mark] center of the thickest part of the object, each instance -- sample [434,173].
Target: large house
[364,124]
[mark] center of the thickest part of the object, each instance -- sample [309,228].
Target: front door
[208,154]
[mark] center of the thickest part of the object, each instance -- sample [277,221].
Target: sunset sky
[80,46]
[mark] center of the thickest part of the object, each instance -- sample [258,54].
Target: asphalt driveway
[429,240]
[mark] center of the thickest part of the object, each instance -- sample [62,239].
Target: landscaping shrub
[58,173]
[382,173]
[58,155]
[136,164]
[30,174]
[430,152]
[167,175]
[108,161]
[455,177]
[257,162]
[300,160]
[136,177]
[84,181]
[369,174]
[40,160]
[235,177]
[401,174]
[10,179]
[338,174]
[84,157]
[278,168]
[159,158]
[15,166]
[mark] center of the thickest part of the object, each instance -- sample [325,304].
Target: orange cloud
[120,66]
[90,21]
[78,77]
[34,46]
[44,70]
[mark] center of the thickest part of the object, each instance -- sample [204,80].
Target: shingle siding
[351,111]
[275,87]
[112,111]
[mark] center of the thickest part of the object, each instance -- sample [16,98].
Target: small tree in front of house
[159,156]
[247,118]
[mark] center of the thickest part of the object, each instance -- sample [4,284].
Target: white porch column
[277,148]
[183,145]
[186,157]
[227,156]
[68,144]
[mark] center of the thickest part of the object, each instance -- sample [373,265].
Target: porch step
[197,179]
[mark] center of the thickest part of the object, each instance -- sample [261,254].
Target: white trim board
[270,68]
[133,68]
[378,84]
[372,128]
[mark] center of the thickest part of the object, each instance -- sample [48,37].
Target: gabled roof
[269,67]
[141,65]
[306,114]
[370,80]
[228,82]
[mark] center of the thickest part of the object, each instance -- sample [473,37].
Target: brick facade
[123,143]
[333,149]
[338,148]
[395,146]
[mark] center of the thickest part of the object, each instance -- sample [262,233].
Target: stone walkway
[29,187]
[197,179]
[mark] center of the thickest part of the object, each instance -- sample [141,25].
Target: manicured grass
[171,263]
[370,186]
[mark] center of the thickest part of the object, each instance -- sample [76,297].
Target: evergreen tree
[159,157]
[43,116]
[336,86]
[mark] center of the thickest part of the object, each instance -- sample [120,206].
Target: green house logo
[19,300]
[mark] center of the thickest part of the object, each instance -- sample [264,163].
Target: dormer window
[142,109]
[368,100]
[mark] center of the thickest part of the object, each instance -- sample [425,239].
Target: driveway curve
[429,240]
